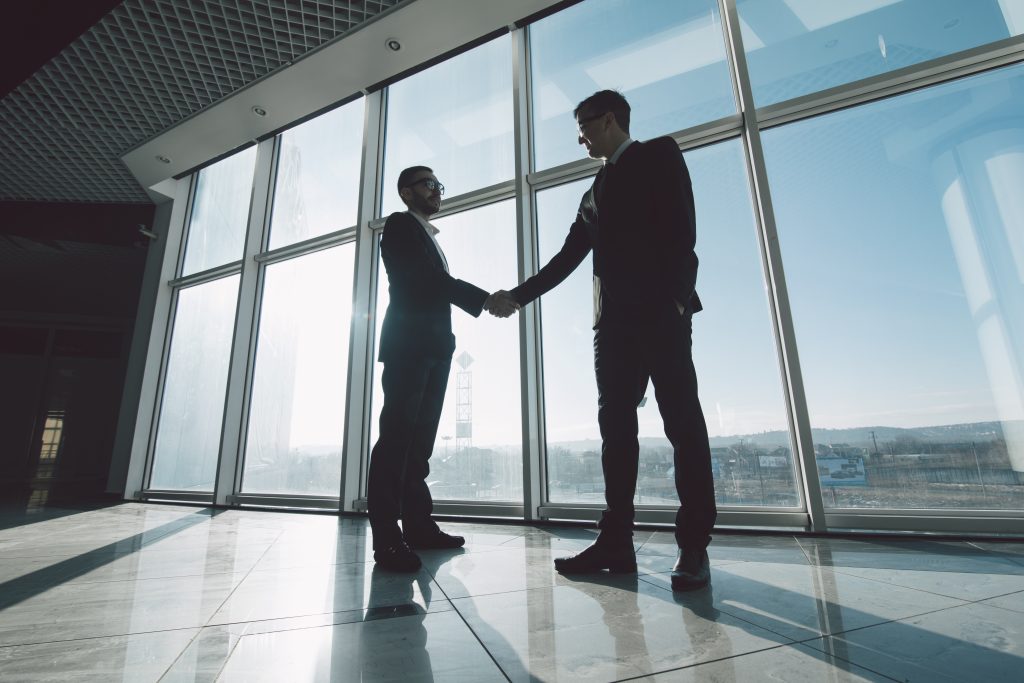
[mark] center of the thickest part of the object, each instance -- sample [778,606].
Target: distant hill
[856,436]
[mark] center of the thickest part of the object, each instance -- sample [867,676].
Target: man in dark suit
[638,218]
[416,346]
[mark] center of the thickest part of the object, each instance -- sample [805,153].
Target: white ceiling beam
[351,64]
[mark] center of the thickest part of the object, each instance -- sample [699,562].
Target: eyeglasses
[583,122]
[430,184]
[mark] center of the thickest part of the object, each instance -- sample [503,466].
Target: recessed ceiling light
[393,44]
[162,159]
[259,111]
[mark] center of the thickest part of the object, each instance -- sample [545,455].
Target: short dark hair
[604,101]
[405,177]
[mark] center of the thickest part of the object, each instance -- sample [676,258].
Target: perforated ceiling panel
[144,67]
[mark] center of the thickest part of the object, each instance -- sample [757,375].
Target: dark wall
[70,277]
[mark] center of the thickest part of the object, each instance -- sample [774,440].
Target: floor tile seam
[804,550]
[63,557]
[821,634]
[1012,557]
[476,636]
[884,622]
[1007,609]
[237,585]
[152,578]
[307,615]
[30,591]
[921,590]
[198,633]
[745,620]
[455,608]
[536,588]
[137,580]
[515,537]
[806,643]
[128,634]
[258,569]
[911,588]
[246,634]
[736,656]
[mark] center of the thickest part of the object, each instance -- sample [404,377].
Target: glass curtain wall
[296,416]
[882,138]
[191,409]
[909,307]
[666,57]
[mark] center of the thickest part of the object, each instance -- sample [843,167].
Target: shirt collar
[618,153]
[424,222]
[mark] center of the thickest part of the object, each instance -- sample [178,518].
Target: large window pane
[478,453]
[667,57]
[220,213]
[317,189]
[737,367]
[297,410]
[456,118]
[189,428]
[900,227]
[797,47]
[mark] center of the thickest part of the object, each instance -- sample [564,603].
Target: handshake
[501,304]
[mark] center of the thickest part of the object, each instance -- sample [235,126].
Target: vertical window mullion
[530,360]
[355,458]
[239,368]
[782,317]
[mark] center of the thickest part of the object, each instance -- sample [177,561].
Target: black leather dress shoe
[618,558]
[691,571]
[435,541]
[397,558]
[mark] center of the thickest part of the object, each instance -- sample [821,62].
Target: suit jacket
[638,218]
[418,322]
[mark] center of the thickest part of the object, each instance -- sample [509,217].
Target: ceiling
[143,68]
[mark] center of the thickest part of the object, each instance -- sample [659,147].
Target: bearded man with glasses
[416,347]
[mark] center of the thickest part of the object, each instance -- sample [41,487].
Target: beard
[426,205]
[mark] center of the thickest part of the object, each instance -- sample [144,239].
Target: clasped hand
[501,304]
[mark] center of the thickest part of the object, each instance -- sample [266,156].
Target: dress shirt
[431,231]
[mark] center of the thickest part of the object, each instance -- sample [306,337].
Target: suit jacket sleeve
[674,221]
[417,273]
[561,265]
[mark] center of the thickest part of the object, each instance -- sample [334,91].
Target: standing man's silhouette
[416,346]
[638,218]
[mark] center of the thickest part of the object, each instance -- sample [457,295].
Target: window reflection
[317,188]
[900,229]
[192,406]
[455,117]
[797,47]
[220,213]
[666,57]
[296,418]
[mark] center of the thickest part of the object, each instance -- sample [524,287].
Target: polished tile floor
[141,592]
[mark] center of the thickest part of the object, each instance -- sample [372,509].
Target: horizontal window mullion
[207,275]
[465,202]
[690,138]
[883,86]
[327,241]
